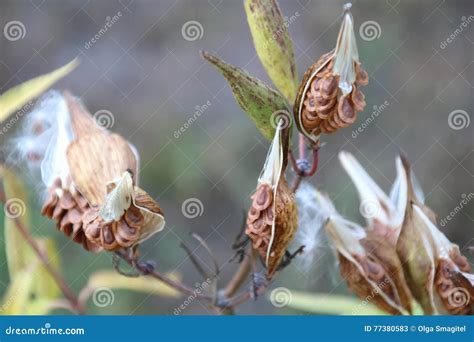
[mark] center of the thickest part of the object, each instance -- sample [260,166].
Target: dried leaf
[256,98]
[19,95]
[273,44]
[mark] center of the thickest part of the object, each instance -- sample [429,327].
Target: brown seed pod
[96,202]
[272,217]
[329,97]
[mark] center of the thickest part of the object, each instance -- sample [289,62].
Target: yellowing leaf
[21,94]
[331,304]
[18,252]
[113,280]
[15,299]
[273,44]
[44,285]
[262,104]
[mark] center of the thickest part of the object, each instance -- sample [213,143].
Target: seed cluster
[325,108]
[260,218]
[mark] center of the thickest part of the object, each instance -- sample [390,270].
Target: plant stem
[68,294]
[239,277]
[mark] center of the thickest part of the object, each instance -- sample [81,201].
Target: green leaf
[273,44]
[113,280]
[18,252]
[15,300]
[332,304]
[256,98]
[21,94]
[45,287]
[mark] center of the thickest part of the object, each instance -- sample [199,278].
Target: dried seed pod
[372,272]
[91,176]
[272,217]
[329,90]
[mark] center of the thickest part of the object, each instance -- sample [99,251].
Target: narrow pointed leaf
[256,98]
[44,285]
[15,299]
[273,44]
[18,96]
[332,304]
[18,252]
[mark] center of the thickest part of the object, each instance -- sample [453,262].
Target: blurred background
[196,143]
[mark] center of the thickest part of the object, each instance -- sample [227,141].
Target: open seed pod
[272,217]
[94,197]
[329,97]
[430,260]
[368,262]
